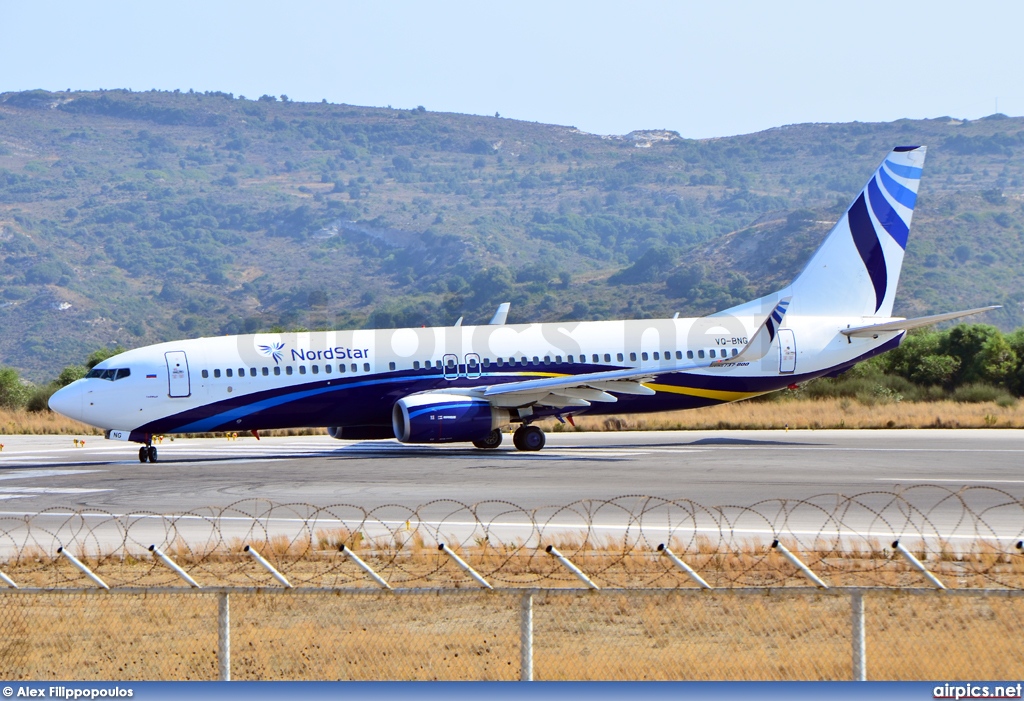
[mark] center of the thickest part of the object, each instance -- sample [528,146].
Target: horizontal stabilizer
[907,324]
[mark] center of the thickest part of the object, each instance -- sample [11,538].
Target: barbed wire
[967,537]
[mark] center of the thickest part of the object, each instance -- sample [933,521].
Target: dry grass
[408,561]
[41,423]
[475,636]
[796,413]
[812,414]
[664,633]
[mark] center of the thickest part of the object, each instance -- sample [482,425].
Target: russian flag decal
[150,377]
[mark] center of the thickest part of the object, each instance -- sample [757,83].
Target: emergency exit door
[787,351]
[177,374]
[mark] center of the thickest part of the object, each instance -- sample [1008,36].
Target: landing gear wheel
[143,454]
[528,438]
[152,453]
[489,442]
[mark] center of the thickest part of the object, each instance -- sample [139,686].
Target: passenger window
[619,357]
[391,366]
[216,373]
[302,369]
[607,357]
[679,355]
[643,356]
[252,372]
[266,371]
[287,369]
[712,352]
[229,372]
[415,365]
[522,361]
[558,358]
[596,357]
[700,354]
[315,369]
[366,367]
[536,360]
[241,372]
[570,358]
[632,356]
[547,359]
[656,356]
[451,363]
[341,367]
[487,362]
[327,369]
[355,368]
[206,373]
[689,355]
[277,369]
[735,352]
[499,362]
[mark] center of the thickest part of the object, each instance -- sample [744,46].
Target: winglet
[500,315]
[761,342]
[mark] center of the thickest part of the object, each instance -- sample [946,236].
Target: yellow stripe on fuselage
[719,395]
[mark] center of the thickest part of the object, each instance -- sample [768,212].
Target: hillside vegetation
[130,218]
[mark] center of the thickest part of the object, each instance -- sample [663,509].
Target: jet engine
[434,417]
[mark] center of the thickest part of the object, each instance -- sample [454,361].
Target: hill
[132,217]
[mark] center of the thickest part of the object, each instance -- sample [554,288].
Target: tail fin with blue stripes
[857,267]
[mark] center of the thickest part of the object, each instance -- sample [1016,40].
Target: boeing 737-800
[466,383]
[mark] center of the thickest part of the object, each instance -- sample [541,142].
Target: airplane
[466,383]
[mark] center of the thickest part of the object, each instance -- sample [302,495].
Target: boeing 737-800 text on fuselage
[465,383]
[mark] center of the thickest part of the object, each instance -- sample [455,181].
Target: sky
[715,68]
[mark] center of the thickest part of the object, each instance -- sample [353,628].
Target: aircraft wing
[907,324]
[580,390]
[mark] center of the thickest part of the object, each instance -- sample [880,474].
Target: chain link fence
[462,634]
[923,583]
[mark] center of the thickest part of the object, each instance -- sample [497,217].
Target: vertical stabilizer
[857,267]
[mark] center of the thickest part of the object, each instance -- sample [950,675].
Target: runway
[772,471]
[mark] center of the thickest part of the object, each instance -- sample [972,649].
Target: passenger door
[177,374]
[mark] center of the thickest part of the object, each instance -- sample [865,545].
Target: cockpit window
[109,373]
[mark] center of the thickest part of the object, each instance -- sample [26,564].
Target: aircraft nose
[68,401]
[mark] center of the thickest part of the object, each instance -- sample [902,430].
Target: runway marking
[926,480]
[548,527]
[8,493]
[37,474]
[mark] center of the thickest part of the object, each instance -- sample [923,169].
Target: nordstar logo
[274,351]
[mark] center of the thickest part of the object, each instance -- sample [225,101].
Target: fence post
[860,661]
[526,637]
[224,636]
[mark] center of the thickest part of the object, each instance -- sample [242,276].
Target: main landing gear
[489,442]
[147,453]
[528,438]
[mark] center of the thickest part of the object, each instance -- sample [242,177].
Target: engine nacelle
[434,417]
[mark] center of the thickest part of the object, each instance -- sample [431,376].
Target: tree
[13,394]
[69,375]
[981,355]
[98,356]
